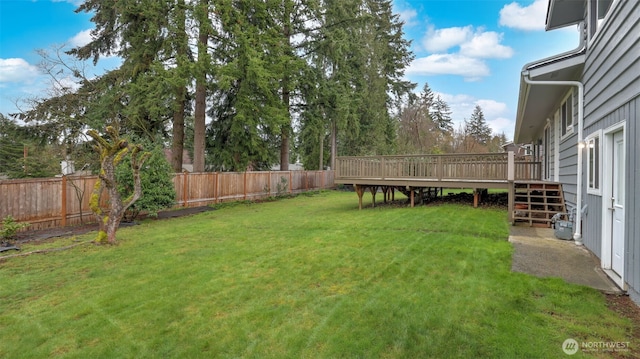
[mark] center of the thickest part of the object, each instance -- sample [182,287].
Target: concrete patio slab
[538,252]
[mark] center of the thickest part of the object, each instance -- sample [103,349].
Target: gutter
[577,236]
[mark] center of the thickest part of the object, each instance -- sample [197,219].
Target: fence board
[38,201]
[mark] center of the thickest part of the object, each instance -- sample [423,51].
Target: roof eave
[563,68]
[563,13]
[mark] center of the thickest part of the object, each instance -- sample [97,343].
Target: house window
[593,164]
[566,116]
[598,9]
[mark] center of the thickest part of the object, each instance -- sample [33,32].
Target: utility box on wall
[563,230]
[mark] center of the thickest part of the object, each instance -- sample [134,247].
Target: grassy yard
[309,277]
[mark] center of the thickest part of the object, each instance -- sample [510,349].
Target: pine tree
[150,36]
[477,127]
[441,115]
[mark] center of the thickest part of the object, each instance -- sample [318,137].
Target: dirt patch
[49,234]
[625,307]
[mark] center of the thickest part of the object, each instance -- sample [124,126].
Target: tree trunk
[286,92]
[334,144]
[177,145]
[321,159]
[111,153]
[201,92]
[182,49]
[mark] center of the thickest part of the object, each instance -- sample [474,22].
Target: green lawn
[309,277]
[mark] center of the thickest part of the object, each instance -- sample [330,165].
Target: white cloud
[492,108]
[17,70]
[74,2]
[449,64]
[444,39]
[530,17]
[80,39]
[502,125]
[486,45]
[408,16]
[406,12]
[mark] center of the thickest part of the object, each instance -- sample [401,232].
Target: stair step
[540,202]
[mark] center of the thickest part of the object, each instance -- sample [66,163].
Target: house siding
[569,159]
[592,221]
[611,79]
[612,67]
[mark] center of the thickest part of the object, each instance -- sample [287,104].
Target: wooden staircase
[537,202]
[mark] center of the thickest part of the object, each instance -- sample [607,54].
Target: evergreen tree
[248,113]
[441,115]
[477,127]
[150,36]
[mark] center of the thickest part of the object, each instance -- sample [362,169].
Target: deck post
[360,191]
[476,194]
[510,180]
[374,190]
[382,168]
[412,200]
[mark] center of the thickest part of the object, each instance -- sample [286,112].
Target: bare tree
[112,151]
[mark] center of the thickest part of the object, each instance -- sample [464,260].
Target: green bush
[10,227]
[158,191]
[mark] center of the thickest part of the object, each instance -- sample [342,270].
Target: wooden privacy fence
[61,201]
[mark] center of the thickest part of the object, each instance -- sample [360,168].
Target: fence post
[215,187]
[185,188]
[244,186]
[269,184]
[322,179]
[290,184]
[510,166]
[63,205]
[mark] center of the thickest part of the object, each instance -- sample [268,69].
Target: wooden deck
[419,172]
[490,170]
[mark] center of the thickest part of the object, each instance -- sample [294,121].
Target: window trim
[599,23]
[594,152]
[566,130]
[546,147]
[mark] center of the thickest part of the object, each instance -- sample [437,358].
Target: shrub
[158,191]
[10,227]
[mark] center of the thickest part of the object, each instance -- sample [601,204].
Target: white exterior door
[617,204]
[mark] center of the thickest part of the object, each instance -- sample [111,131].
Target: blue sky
[470,52]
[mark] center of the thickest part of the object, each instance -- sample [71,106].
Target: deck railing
[465,167]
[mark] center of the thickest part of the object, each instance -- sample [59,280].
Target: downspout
[577,236]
